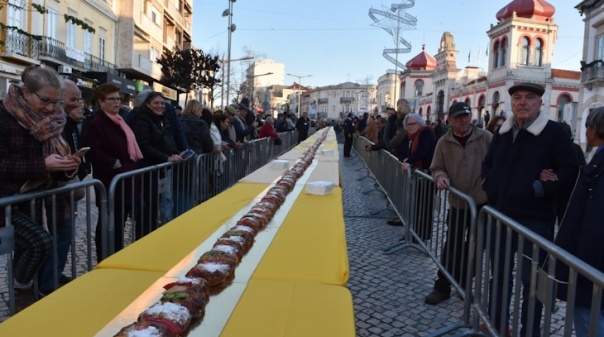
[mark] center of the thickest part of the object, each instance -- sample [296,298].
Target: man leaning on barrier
[530,161]
[456,162]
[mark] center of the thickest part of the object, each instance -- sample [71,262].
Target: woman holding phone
[33,156]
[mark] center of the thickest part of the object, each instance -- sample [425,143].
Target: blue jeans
[582,322]
[63,243]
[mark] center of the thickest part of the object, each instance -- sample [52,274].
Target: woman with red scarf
[416,152]
[113,150]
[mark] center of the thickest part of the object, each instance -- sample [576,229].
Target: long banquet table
[291,283]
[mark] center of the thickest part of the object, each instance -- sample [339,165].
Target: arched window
[496,55]
[524,51]
[504,51]
[495,103]
[467,101]
[421,111]
[419,87]
[428,112]
[538,53]
[562,101]
[440,103]
[481,102]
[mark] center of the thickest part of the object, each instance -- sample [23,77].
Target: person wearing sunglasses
[33,156]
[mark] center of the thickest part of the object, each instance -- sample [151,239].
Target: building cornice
[103,8]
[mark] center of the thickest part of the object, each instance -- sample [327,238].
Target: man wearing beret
[457,162]
[530,162]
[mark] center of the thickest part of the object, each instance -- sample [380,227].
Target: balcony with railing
[139,63]
[55,51]
[323,101]
[346,100]
[592,73]
[17,45]
[174,11]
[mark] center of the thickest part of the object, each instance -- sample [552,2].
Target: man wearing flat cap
[456,162]
[529,163]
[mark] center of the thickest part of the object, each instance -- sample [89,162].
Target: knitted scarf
[414,138]
[45,128]
[133,150]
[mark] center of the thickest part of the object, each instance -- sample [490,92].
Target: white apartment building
[259,76]
[336,101]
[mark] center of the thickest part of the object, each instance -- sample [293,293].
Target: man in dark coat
[581,230]
[530,163]
[302,125]
[348,132]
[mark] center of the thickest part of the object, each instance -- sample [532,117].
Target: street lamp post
[300,77]
[231,29]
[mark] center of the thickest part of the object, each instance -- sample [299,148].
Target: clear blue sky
[334,40]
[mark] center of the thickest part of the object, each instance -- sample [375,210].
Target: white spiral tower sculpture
[394,20]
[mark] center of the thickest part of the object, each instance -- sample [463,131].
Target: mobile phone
[81,152]
[187,154]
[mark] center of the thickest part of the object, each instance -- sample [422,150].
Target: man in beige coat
[457,162]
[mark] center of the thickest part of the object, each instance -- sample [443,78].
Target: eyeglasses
[411,124]
[46,100]
[113,99]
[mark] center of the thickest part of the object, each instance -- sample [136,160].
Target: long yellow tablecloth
[83,307]
[271,308]
[311,244]
[167,246]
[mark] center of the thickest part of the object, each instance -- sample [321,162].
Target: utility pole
[300,77]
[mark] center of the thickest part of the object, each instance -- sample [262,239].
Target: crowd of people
[525,166]
[43,127]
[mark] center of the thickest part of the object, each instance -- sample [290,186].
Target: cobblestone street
[388,290]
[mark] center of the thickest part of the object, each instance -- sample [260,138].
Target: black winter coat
[582,227]
[197,133]
[511,168]
[154,136]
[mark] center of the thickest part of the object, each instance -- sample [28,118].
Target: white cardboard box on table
[280,164]
[319,187]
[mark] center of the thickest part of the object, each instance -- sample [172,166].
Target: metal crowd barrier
[516,271]
[80,218]
[486,273]
[155,195]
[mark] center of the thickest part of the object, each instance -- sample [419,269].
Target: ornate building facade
[520,50]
